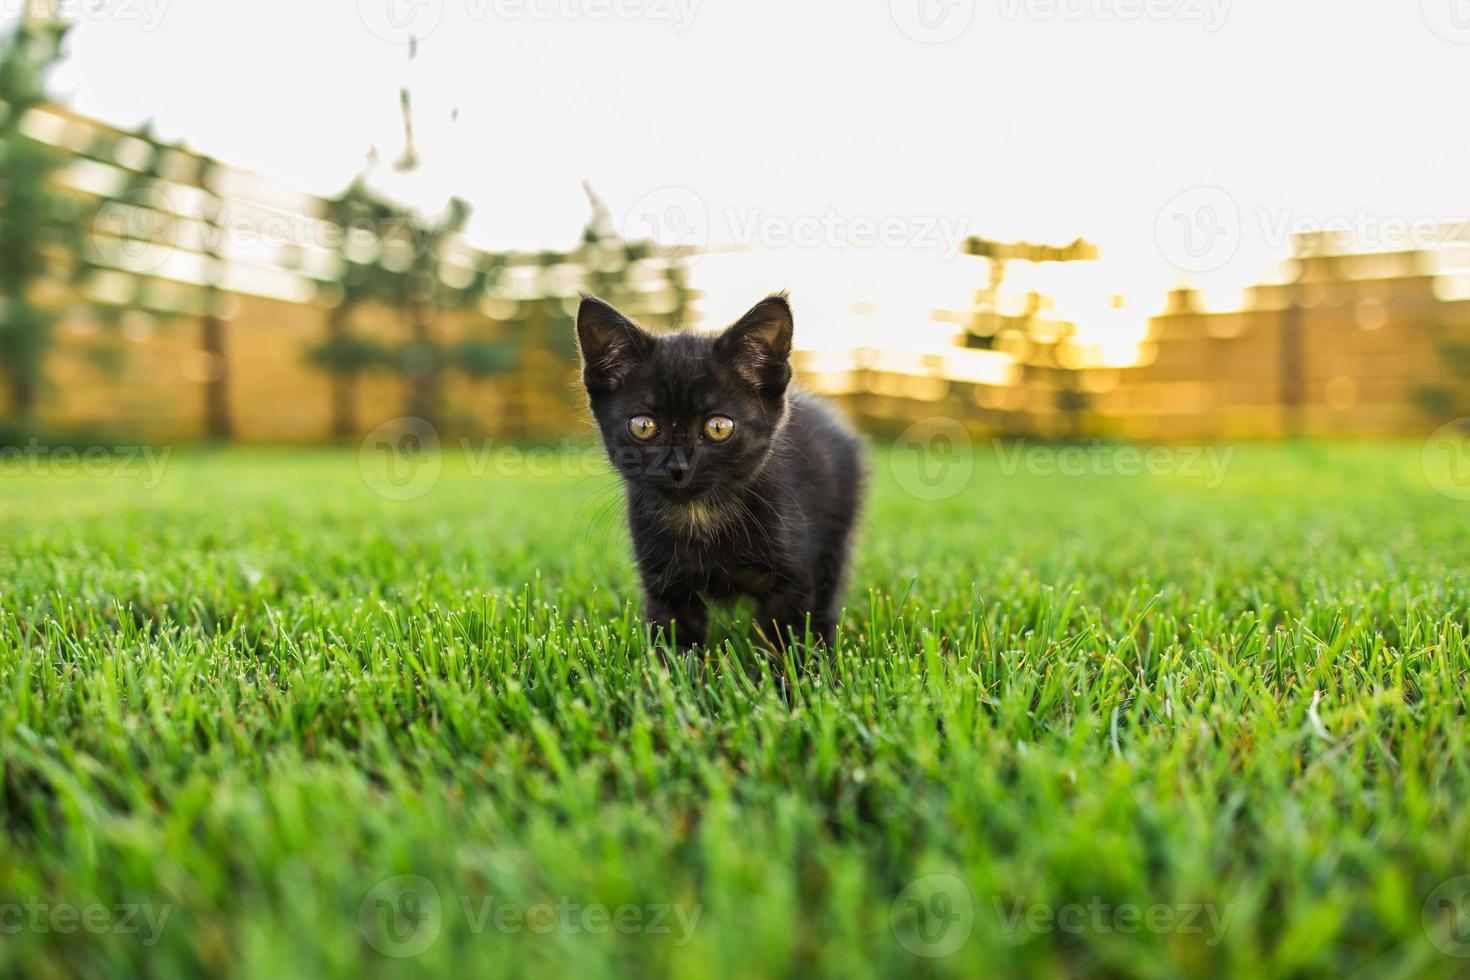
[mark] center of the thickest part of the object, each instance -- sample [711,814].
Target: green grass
[245,697]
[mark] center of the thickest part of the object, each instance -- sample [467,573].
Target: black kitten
[738,484]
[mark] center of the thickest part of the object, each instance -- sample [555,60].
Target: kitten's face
[684,415]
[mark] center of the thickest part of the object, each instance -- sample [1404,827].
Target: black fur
[767,513]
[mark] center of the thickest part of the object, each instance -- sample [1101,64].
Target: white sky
[1041,119]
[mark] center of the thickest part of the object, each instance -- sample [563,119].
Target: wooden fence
[213,286]
[220,283]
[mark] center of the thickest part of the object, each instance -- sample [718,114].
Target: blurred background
[293,223]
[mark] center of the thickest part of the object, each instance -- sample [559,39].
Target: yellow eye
[718,428]
[642,427]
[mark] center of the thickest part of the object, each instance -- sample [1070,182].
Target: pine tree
[37,220]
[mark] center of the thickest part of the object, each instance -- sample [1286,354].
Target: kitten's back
[820,463]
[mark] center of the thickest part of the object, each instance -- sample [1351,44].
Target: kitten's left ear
[758,346]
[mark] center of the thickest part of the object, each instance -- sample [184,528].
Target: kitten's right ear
[611,344]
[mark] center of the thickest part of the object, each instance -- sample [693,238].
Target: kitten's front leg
[682,618]
[783,614]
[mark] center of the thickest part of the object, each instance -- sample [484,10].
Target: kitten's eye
[642,427]
[718,428]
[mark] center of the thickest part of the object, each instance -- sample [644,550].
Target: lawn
[261,719]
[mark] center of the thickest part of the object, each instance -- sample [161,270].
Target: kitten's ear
[758,346]
[611,344]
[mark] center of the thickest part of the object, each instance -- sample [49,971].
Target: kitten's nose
[678,471]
